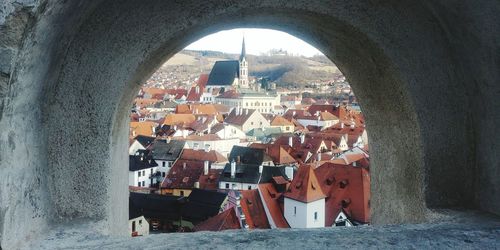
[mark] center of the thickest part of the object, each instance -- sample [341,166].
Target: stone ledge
[459,230]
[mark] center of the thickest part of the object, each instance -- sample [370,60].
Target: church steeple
[243,77]
[243,50]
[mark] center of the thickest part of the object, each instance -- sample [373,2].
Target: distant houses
[225,154]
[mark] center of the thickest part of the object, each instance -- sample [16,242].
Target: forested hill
[283,69]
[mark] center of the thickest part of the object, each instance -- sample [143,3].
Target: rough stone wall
[426,74]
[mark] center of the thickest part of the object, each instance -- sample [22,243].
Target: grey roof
[224,72]
[142,160]
[260,133]
[155,206]
[202,204]
[249,173]
[167,151]
[145,141]
[248,155]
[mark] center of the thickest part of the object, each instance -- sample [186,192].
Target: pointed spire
[243,50]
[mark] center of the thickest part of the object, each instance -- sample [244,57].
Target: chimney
[246,112]
[169,139]
[352,125]
[209,131]
[197,89]
[183,166]
[318,157]
[293,114]
[197,184]
[354,164]
[233,169]
[289,172]
[260,169]
[238,159]
[342,125]
[203,119]
[317,112]
[290,141]
[205,168]
[302,138]
[184,133]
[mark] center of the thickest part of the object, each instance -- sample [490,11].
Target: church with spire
[230,74]
[229,84]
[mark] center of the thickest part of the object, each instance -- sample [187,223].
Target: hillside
[283,69]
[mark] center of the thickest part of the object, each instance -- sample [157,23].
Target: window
[163,174]
[133,226]
[143,172]
[249,187]
[139,184]
[143,184]
[294,211]
[164,164]
[140,222]
[287,128]
[315,216]
[139,174]
[227,185]
[182,193]
[251,123]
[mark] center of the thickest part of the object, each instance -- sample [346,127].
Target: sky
[257,42]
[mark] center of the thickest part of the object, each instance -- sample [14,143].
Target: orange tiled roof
[347,188]
[280,121]
[178,119]
[223,221]
[211,180]
[271,198]
[143,128]
[202,155]
[305,187]
[253,209]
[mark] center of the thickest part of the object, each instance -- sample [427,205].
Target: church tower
[243,80]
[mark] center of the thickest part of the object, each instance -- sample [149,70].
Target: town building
[305,200]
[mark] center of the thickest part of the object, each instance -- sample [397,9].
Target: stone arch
[422,135]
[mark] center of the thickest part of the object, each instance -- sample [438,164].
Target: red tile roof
[253,209]
[184,174]
[210,181]
[280,121]
[271,199]
[305,187]
[347,188]
[202,155]
[239,119]
[224,221]
[193,95]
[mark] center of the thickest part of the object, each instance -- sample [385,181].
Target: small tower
[243,79]
[305,200]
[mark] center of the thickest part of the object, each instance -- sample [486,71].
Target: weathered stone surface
[426,74]
[480,233]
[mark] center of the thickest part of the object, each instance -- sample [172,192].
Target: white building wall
[135,147]
[255,121]
[231,131]
[141,226]
[237,185]
[144,179]
[223,146]
[301,215]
